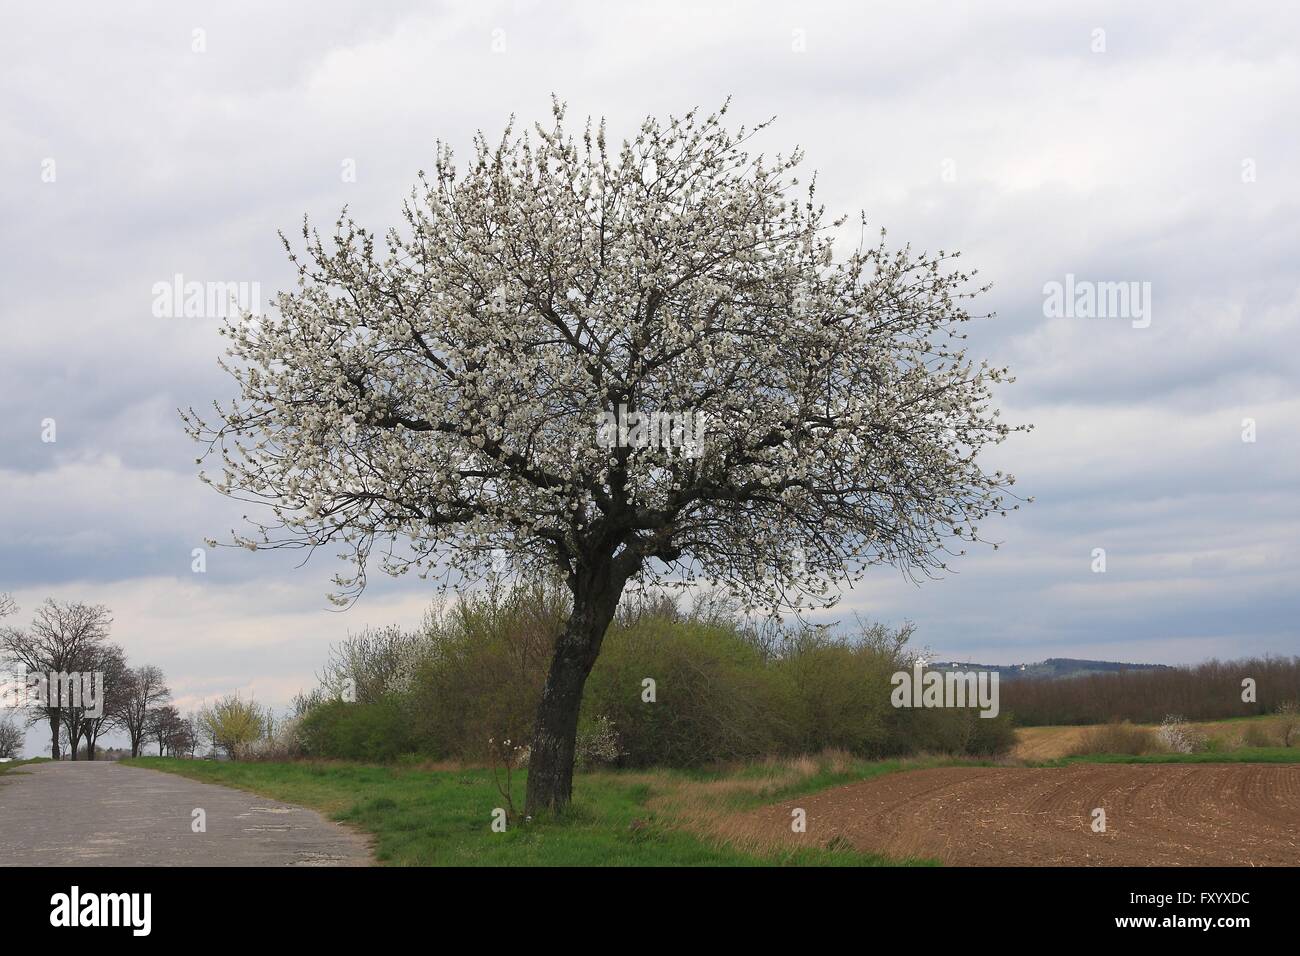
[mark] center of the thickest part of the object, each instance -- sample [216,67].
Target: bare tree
[110,661]
[11,735]
[60,639]
[144,691]
[86,718]
[165,726]
[616,363]
[155,726]
[11,739]
[187,736]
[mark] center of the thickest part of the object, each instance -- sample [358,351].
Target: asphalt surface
[100,813]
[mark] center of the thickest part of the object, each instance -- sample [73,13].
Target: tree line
[1213,690]
[72,638]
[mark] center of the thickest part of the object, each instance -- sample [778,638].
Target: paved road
[100,813]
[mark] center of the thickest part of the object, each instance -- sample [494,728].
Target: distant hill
[1052,667]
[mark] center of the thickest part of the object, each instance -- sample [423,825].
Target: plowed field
[1156,814]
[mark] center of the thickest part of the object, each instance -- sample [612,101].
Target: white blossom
[425,398]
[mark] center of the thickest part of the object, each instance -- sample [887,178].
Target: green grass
[6,767]
[420,817]
[1239,755]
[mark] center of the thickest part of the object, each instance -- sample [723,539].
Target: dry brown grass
[1050,743]
[716,809]
[1116,738]
[1261,734]
[1045,743]
[705,806]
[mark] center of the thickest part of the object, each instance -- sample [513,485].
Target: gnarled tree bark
[596,594]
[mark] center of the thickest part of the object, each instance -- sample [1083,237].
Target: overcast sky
[1151,143]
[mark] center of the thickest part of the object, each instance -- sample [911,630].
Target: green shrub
[993,736]
[712,694]
[951,730]
[832,695]
[484,667]
[375,731]
[723,690]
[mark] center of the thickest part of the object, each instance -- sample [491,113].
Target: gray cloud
[1123,165]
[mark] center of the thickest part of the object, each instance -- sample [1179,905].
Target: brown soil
[1156,814]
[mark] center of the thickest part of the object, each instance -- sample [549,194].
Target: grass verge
[1240,755]
[438,817]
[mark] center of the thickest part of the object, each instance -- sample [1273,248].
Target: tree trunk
[54,738]
[550,762]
